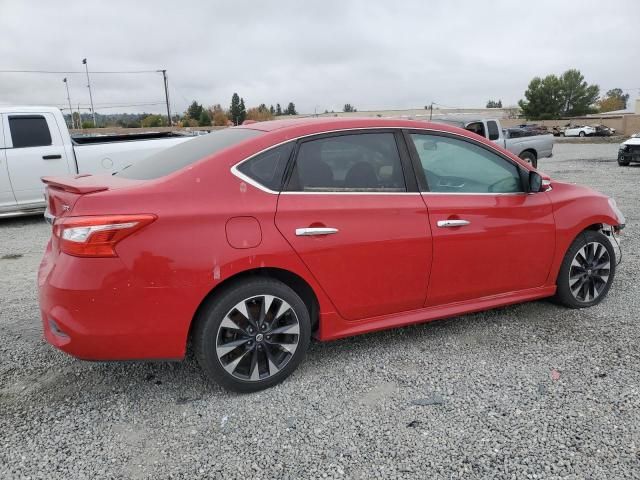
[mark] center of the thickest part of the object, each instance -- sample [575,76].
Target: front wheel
[530,157]
[587,271]
[582,134]
[622,162]
[252,335]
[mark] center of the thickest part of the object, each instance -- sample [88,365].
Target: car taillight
[97,236]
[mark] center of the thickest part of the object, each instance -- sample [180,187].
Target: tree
[187,122]
[555,97]
[220,118]
[243,112]
[153,121]
[234,110]
[349,108]
[291,109]
[615,100]
[278,110]
[577,96]
[494,104]
[259,114]
[544,100]
[205,119]
[194,111]
[272,110]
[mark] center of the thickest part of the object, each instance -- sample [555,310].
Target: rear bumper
[96,309]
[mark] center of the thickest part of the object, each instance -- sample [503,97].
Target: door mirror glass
[535,182]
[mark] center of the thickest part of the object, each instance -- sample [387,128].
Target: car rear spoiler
[79,184]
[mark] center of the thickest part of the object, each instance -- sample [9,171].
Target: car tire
[587,271]
[581,134]
[530,157]
[562,134]
[623,163]
[243,348]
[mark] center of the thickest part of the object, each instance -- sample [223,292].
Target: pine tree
[278,110]
[194,111]
[243,112]
[234,109]
[205,119]
[291,109]
[272,110]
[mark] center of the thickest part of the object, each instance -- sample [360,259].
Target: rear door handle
[452,223]
[51,157]
[311,231]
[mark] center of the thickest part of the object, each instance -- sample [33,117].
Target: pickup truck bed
[35,142]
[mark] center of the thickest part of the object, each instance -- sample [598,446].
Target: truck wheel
[581,134]
[252,335]
[530,157]
[587,271]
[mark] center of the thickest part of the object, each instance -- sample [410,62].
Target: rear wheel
[582,134]
[587,271]
[530,157]
[252,335]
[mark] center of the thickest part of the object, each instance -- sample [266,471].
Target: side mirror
[429,145]
[535,182]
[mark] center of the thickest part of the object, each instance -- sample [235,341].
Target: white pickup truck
[35,142]
[527,147]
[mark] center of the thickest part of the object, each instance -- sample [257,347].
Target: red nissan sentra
[248,241]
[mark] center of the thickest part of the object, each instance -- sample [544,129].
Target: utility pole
[73,123]
[431,111]
[79,118]
[166,95]
[86,67]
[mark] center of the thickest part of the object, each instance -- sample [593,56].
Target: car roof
[310,125]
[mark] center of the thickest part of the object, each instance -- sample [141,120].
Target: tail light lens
[97,236]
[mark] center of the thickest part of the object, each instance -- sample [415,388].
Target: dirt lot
[529,391]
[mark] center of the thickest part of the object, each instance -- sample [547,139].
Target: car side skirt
[333,327]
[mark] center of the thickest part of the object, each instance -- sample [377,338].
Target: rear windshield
[174,158]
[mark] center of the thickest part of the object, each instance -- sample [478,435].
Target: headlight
[616,210]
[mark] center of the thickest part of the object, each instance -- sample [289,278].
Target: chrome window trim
[234,169]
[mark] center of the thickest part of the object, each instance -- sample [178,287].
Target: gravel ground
[529,391]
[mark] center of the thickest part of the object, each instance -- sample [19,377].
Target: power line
[80,72]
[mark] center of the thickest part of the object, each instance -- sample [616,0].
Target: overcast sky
[318,54]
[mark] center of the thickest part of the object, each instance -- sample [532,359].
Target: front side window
[451,165]
[268,167]
[363,162]
[29,131]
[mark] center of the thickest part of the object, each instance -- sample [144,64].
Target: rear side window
[268,167]
[494,133]
[355,162]
[29,131]
[174,158]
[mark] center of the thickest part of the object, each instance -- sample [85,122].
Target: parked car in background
[603,131]
[526,144]
[629,151]
[579,131]
[35,142]
[247,242]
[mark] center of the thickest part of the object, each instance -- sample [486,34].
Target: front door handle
[452,223]
[51,157]
[311,231]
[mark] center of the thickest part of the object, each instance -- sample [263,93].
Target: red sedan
[247,242]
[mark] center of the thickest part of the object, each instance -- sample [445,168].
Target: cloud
[318,54]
